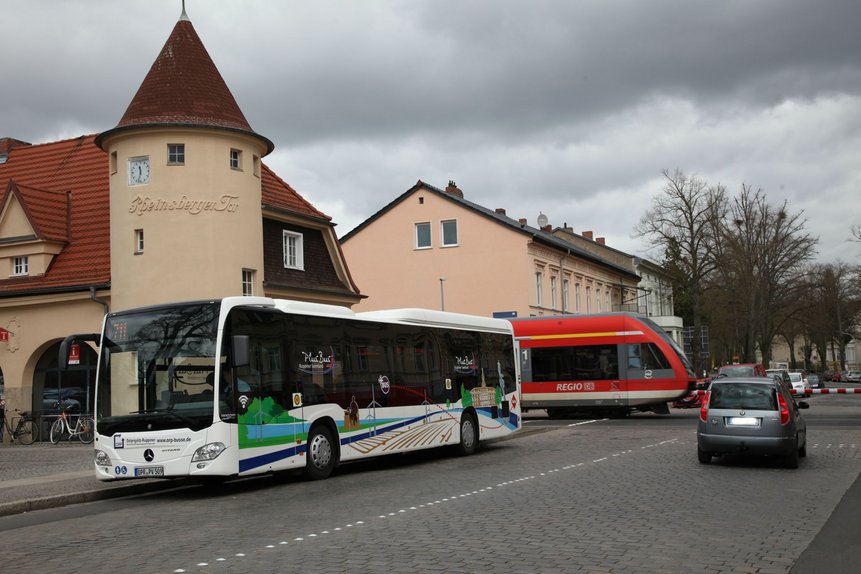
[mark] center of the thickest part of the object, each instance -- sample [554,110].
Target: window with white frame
[553,281]
[139,241]
[588,299]
[175,154]
[423,235]
[607,300]
[21,265]
[539,280]
[576,297]
[235,159]
[565,287]
[294,257]
[598,299]
[247,282]
[449,233]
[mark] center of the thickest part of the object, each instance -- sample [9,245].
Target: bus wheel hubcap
[321,451]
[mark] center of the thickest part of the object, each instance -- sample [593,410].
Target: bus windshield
[157,369]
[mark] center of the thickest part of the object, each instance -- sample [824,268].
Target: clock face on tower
[138,170]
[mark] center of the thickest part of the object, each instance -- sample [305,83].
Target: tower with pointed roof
[185,184]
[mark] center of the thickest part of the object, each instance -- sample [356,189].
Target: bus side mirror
[241,345]
[66,346]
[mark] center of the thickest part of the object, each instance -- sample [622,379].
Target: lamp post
[442,293]
[846,348]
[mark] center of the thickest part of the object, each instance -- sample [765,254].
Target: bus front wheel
[468,435]
[320,453]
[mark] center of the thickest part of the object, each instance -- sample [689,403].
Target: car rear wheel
[704,457]
[791,460]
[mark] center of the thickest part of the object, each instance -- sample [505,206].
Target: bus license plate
[149,471]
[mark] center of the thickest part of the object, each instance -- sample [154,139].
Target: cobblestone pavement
[609,496]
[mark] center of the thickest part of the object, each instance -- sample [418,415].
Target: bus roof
[430,317]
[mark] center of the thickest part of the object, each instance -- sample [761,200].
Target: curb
[46,502]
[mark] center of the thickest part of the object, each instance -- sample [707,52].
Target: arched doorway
[75,387]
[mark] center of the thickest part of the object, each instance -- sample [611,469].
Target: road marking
[307,538]
[587,422]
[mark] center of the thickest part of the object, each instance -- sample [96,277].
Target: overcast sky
[571,108]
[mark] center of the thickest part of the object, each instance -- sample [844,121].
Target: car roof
[745,380]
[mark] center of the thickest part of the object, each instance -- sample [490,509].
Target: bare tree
[683,221]
[762,254]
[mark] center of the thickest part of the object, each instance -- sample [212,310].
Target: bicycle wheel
[57,431]
[87,430]
[26,432]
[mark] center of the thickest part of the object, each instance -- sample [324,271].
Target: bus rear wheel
[468,435]
[320,454]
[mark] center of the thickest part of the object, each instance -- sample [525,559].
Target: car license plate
[149,471]
[742,421]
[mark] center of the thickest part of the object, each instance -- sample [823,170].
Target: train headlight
[208,452]
[102,458]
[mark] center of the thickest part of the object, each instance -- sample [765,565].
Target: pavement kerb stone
[131,489]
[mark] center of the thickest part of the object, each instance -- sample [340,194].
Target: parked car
[853,377]
[742,370]
[783,374]
[54,399]
[755,416]
[816,382]
[837,377]
[695,397]
[800,386]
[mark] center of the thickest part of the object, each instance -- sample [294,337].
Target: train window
[588,363]
[647,356]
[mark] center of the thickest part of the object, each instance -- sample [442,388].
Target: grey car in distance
[755,416]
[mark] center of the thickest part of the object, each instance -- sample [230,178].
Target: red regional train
[606,363]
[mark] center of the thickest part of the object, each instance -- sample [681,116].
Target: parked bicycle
[26,430]
[72,425]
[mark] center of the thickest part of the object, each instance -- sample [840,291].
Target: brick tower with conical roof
[185,184]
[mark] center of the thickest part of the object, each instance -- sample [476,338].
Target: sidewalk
[42,476]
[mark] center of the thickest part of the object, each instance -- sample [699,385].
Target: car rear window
[737,371]
[750,396]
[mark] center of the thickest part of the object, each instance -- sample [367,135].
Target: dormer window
[20,266]
[294,257]
[235,159]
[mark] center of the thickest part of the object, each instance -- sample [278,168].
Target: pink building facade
[432,248]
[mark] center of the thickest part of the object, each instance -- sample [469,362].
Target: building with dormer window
[173,203]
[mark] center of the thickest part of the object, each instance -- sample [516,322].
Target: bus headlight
[208,452]
[102,458]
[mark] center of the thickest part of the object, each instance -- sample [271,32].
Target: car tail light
[784,409]
[704,409]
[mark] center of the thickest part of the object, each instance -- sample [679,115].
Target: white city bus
[247,385]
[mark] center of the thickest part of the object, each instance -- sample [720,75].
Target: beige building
[654,294]
[173,203]
[432,248]
[780,355]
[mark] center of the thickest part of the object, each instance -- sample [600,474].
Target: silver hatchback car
[753,416]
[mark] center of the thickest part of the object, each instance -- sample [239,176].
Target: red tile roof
[43,174]
[184,87]
[48,211]
[277,193]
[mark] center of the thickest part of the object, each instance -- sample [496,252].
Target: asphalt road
[615,495]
